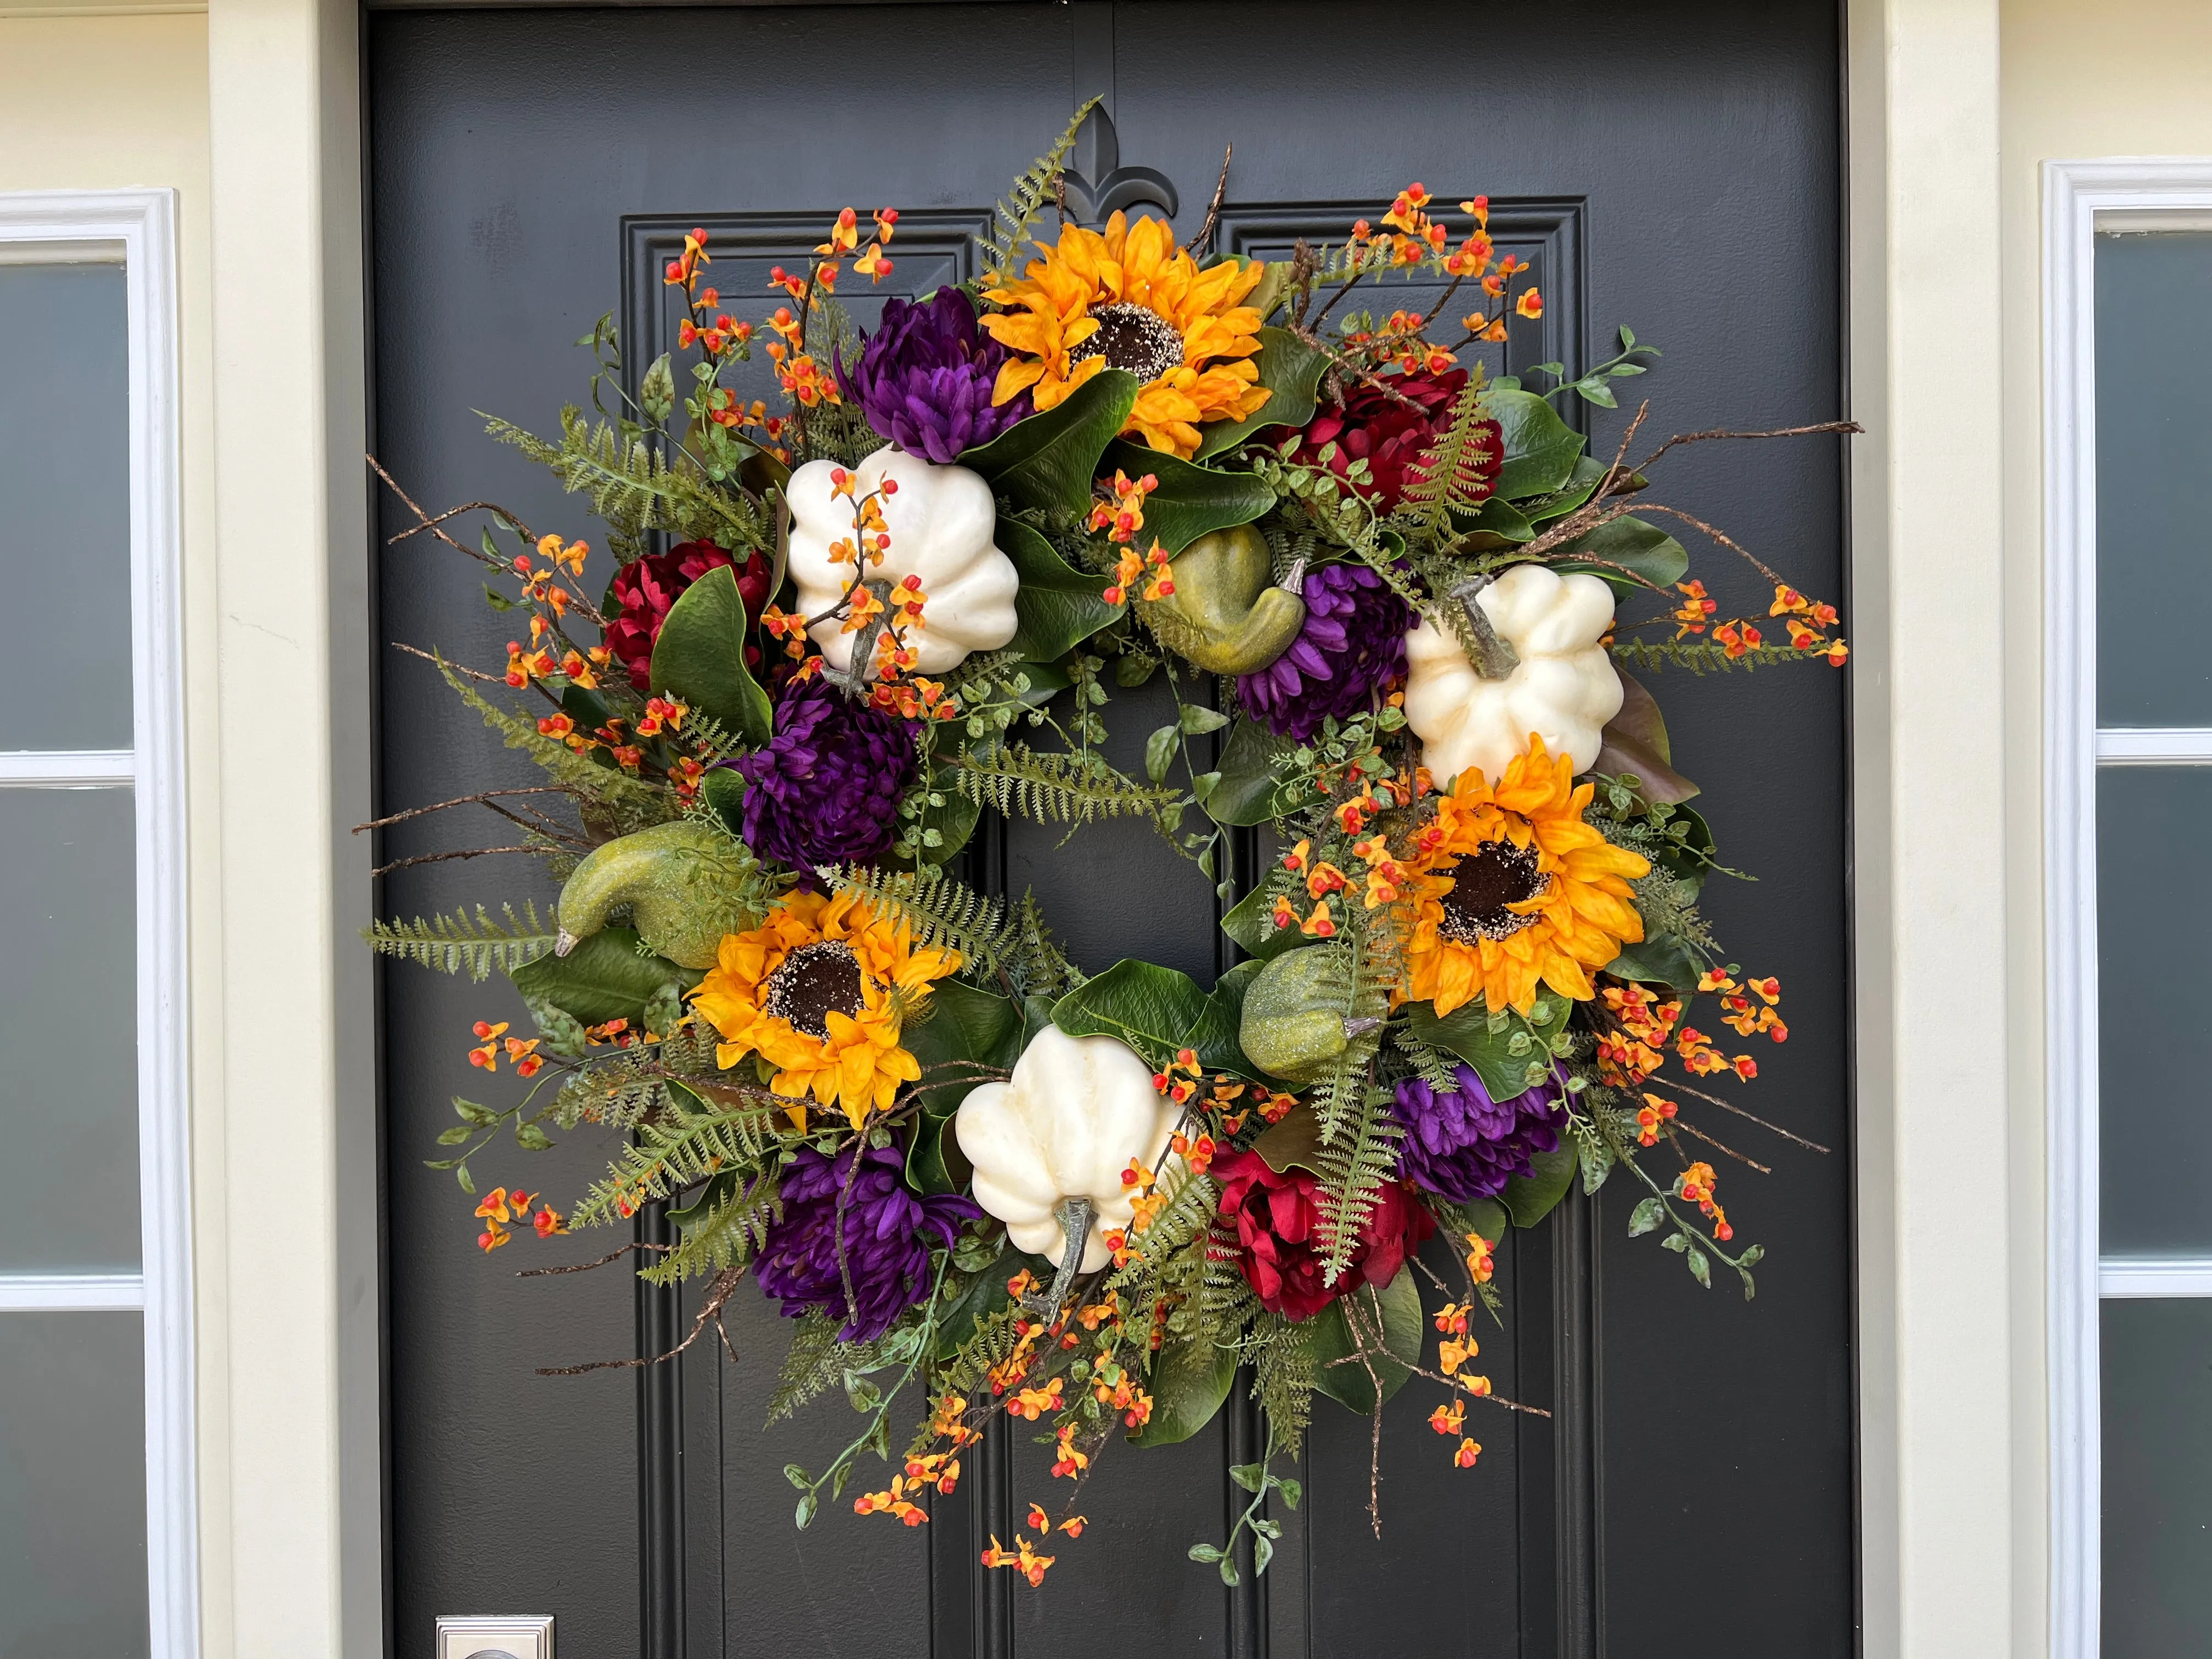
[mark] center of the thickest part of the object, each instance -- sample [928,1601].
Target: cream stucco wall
[95,98]
[2079,81]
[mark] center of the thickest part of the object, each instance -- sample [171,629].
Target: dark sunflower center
[1130,337]
[1484,884]
[815,981]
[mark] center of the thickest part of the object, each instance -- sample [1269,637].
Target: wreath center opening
[815,981]
[1130,337]
[1484,884]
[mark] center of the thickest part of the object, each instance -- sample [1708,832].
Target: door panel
[1675,170]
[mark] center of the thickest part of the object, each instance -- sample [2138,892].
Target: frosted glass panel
[69,1116]
[2153,453]
[72,1487]
[2158,1478]
[66,507]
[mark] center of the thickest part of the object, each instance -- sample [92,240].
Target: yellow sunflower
[1128,298]
[1518,891]
[818,991]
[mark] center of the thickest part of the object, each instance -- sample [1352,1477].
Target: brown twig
[440,858]
[431,524]
[581,605]
[1202,244]
[718,1295]
[1729,1106]
[1690,1129]
[458,800]
[585,1267]
[432,656]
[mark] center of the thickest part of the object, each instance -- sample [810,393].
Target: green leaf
[1228,1572]
[1634,744]
[1291,370]
[1541,509]
[1662,959]
[725,792]
[803,1514]
[701,657]
[1156,1010]
[1647,1216]
[1160,751]
[482,1116]
[604,978]
[456,1135]
[1293,1144]
[1466,1032]
[1260,778]
[1529,1197]
[1049,459]
[718,1190]
[1291,1491]
[495,599]
[1246,923]
[1349,1384]
[656,392]
[1206,1553]
[934,1163]
[1191,500]
[1597,1160]
[1250,1476]
[1541,448]
[1497,525]
[1263,1552]
[1188,1381]
[797,1476]
[1057,607]
[954,820]
[1689,855]
[984,1295]
[1482,1216]
[969,1025]
[1700,1269]
[531,1139]
[1629,543]
[1197,719]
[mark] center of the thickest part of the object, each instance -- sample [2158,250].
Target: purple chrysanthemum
[1460,1144]
[924,377]
[887,1233]
[1352,644]
[826,788]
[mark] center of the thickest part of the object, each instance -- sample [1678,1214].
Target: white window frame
[2080,198]
[136,228]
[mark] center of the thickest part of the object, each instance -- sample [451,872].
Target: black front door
[1672,167]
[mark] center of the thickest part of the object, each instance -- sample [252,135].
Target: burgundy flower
[645,589]
[1278,1218]
[885,1234]
[1377,428]
[1460,1144]
[924,377]
[826,788]
[1352,645]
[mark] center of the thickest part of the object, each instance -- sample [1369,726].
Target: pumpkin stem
[1294,579]
[1493,659]
[855,680]
[1076,1215]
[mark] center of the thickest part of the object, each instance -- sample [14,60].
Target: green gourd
[1294,1025]
[1224,614]
[685,885]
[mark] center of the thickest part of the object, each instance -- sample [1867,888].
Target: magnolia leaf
[1529,1197]
[934,1163]
[1662,959]
[1398,1304]
[984,1295]
[1634,744]
[1497,525]
[604,978]
[1188,1381]
[1291,370]
[1246,923]
[1191,500]
[1579,488]
[1466,1032]
[1156,1011]
[1293,1144]
[1631,545]
[1048,459]
[1647,1216]
[701,657]
[725,792]
[1057,606]
[966,1027]
[1541,448]
[1260,779]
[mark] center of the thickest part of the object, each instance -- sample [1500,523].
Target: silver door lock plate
[495,1636]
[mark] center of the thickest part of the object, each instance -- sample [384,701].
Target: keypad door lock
[495,1636]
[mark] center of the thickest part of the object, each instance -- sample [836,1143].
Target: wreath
[1385,590]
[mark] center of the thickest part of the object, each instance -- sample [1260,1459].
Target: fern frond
[1453,473]
[1702,657]
[687,1142]
[969,1369]
[1073,789]
[1017,212]
[449,944]
[944,913]
[639,803]
[1038,966]
[1188,1215]
[1353,1169]
[631,485]
[818,1362]
[1284,1371]
[730,1233]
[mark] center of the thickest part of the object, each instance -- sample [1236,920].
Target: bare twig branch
[1202,244]
[718,1295]
[440,858]
[458,800]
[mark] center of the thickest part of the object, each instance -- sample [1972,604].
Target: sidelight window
[96,1519]
[2130,877]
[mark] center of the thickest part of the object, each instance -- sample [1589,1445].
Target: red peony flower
[1278,1219]
[1389,437]
[645,589]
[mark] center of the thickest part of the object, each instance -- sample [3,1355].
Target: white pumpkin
[941,520]
[1064,1126]
[1563,688]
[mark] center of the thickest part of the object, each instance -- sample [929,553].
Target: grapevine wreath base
[1397,607]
